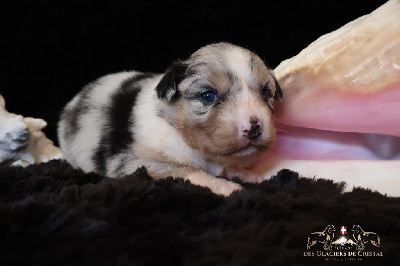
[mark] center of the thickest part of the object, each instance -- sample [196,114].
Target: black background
[50,49]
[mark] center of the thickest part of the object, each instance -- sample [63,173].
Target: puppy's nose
[252,130]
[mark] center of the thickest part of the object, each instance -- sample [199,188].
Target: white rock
[21,140]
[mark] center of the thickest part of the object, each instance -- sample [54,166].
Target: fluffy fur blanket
[51,214]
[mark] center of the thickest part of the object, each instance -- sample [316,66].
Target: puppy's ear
[278,90]
[168,86]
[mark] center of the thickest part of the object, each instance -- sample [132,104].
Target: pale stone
[362,56]
[21,140]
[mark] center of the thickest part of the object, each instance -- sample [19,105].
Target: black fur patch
[117,134]
[71,116]
[167,88]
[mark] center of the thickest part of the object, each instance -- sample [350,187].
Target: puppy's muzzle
[252,130]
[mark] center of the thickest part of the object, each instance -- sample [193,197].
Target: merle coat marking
[206,116]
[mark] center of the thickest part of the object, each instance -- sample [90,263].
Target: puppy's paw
[226,188]
[245,175]
[217,185]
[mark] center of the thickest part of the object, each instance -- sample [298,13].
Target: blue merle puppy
[207,116]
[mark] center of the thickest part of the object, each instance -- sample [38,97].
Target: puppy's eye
[208,97]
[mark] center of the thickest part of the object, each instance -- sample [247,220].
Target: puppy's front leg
[195,176]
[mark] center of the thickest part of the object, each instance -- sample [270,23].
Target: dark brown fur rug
[51,214]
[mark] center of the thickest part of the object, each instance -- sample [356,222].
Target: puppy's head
[221,101]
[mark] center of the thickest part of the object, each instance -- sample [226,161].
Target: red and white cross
[343,230]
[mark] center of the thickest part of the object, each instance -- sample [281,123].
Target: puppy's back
[98,123]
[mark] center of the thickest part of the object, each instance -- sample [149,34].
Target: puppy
[207,116]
